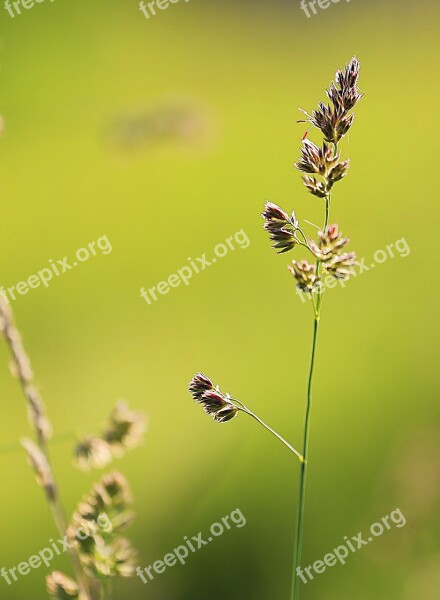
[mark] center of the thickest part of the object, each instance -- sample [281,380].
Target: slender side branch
[222,407]
[273,432]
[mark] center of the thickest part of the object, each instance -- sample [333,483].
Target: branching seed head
[102,551]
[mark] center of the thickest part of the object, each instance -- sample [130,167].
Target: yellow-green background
[68,69]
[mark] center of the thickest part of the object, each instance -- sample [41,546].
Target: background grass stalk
[23,370]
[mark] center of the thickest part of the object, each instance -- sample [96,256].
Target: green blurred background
[167,135]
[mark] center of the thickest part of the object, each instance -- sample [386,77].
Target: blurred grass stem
[22,367]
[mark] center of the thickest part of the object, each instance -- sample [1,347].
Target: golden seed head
[61,587]
[305,275]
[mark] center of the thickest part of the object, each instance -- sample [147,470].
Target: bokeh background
[167,135]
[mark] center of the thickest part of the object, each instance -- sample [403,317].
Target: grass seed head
[281,227]
[217,405]
[305,275]
[61,587]
[331,243]
[198,385]
[125,430]
[334,119]
[92,453]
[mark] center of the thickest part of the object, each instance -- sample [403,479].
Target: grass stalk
[322,168]
[23,371]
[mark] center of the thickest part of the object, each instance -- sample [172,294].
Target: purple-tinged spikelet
[315,187]
[214,403]
[343,91]
[335,119]
[323,162]
[217,406]
[281,228]
[316,160]
[199,384]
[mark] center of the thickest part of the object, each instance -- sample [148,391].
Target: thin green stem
[298,229]
[272,431]
[328,202]
[318,262]
[306,246]
[303,473]
[306,432]
[312,298]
